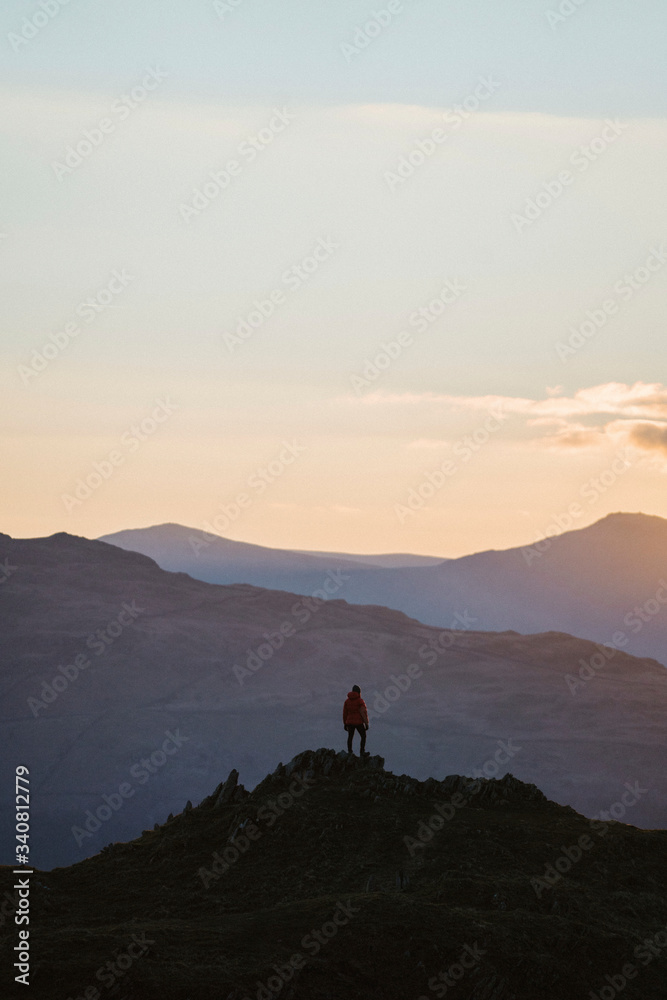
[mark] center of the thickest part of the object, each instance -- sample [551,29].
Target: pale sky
[473,196]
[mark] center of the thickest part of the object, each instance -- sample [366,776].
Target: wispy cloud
[579,421]
[647,399]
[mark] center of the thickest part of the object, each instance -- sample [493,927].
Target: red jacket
[354,710]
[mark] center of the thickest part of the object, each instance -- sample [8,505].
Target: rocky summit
[335,879]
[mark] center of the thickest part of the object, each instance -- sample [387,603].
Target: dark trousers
[350,734]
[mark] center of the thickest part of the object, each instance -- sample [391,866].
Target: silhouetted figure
[355,717]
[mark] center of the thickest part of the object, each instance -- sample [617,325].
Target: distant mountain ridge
[593,582]
[216,559]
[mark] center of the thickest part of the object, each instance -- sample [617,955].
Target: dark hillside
[317,886]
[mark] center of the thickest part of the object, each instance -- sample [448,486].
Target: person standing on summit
[355,717]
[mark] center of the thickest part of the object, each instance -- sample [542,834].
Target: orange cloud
[650,437]
[575,422]
[643,399]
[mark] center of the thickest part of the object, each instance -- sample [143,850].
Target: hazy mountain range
[220,560]
[125,681]
[594,582]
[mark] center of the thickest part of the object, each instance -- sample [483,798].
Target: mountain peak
[629,519]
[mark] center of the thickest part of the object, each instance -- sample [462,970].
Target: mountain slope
[337,879]
[115,672]
[610,577]
[591,582]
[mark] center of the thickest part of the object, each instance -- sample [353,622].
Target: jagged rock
[291,766]
[365,777]
[493,988]
[227,789]
[209,801]
[502,791]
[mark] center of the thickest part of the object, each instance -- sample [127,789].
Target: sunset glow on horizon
[403,296]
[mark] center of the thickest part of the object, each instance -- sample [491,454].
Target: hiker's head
[357,689]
